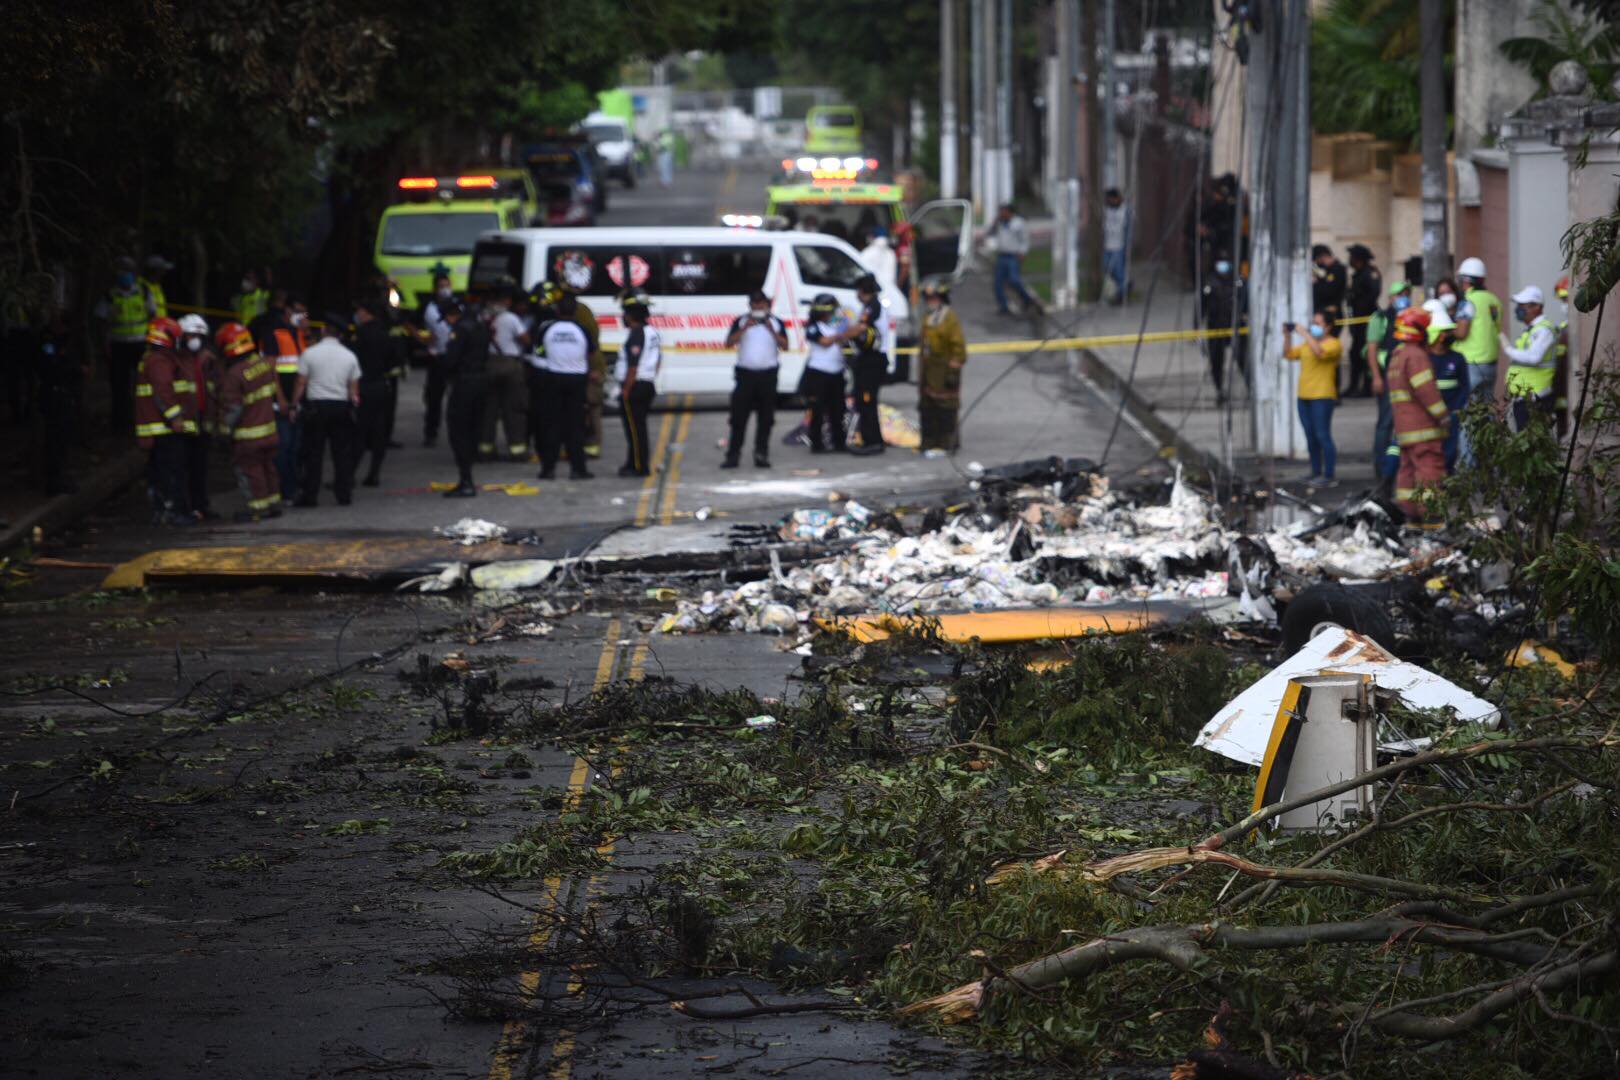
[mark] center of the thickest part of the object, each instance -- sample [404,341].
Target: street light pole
[947,99]
[976,49]
[1066,199]
[1110,176]
[1432,85]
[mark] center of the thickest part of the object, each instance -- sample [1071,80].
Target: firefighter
[1420,414]
[247,399]
[198,367]
[637,372]
[162,417]
[464,358]
[939,390]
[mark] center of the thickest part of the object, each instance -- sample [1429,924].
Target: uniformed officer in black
[637,373]
[866,335]
[1366,290]
[379,352]
[562,354]
[463,361]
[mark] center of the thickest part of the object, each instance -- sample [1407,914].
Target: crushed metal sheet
[1008,625]
[382,561]
[1242,729]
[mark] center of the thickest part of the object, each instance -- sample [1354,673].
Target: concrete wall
[1538,215]
[1593,192]
[1483,230]
[1487,86]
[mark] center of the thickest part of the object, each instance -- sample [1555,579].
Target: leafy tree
[1364,69]
[1590,40]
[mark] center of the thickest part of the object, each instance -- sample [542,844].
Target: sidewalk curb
[62,510]
[1086,371]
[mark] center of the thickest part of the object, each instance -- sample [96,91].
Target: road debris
[469,531]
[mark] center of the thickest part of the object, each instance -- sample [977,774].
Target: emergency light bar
[742,221]
[829,166]
[418,183]
[475,181]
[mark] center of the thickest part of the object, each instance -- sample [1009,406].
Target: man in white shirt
[637,372]
[758,338]
[438,329]
[325,397]
[1532,360]
[1116,241]
[880,258]
[824,375]
[563,359]
[1009,241]
[506,396]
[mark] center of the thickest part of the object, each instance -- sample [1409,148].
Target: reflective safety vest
[250,305]
[155,291]
[1526,381]
[289,347]
[1481,346]
[127,315]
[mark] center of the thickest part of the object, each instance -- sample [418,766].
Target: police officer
[563,356]
[464,358]
[637,372]
[866,335]
[758,338]
[1366,289]
[823,382]
[378,352]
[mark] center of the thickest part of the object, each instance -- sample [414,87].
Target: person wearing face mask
[1421,417]
[759,337]
[1450,374]
[164,416]
[563,356]
[279,335]
[438,340]
[1317,353]
[1224,306]
[123,314]
[1532,358]
[1386,455]
[637,373]
[939,386]
[247,397]
[506,390]
[252,300]
[1366,289]
[197,374]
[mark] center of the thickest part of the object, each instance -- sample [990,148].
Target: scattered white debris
[451,577]
[760,721]
[513,574]
[469,531]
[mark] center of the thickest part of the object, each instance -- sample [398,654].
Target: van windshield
[833,119]
[827,267]
[852,223]
[449,233]
[600,133]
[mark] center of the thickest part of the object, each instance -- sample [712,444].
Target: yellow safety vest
[1481,346]
[159,301]
[250,305]
[1524,381]
[127,316]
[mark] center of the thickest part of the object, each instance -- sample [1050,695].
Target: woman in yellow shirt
[1317,351]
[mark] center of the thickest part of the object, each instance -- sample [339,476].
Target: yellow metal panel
[1003,627]
[357,559]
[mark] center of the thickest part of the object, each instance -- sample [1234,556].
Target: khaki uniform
[596,385]
[939,396]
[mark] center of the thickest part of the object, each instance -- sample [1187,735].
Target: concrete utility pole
[1279,133]
[990,195]
[1065,149]
[947,99]
[1109,43]
[1432,84]
[1004,97]
[976,50]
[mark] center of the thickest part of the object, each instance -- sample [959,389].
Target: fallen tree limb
[1183,947]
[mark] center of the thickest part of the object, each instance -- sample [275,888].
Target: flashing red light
[787,164]
[417,183]
[871,163]
[475,181]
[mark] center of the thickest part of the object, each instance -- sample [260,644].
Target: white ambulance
[698,281]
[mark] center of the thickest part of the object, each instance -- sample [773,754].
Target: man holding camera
[758,338]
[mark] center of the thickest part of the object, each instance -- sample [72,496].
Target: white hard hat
[193,324]
[1530,294]
[1472,268]
[1439,317]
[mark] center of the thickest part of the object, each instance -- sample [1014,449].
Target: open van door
[941,239]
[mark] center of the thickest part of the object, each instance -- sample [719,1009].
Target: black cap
[866,283]
[1319,250]
[1361,251]
[758,297]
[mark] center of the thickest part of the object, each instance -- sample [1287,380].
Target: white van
[698,281]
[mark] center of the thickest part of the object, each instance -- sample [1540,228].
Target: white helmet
[194,324]
[1439,317]
[1472,268]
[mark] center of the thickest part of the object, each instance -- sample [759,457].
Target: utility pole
[1278,103]
[990,170]
[947,98]
[1004,96]
[1090,148]
[976,50]
[1066,199]
[1432,86]
[1110,177]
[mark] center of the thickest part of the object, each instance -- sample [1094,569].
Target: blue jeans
[287,464]
[1114,267]
[1481,387]
[1316,415]
[1008,275]
[1386,456]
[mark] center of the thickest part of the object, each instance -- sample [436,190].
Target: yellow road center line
[672,474]
[514,1032]
[650,485]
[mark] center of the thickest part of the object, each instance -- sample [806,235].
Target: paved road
[254,895]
